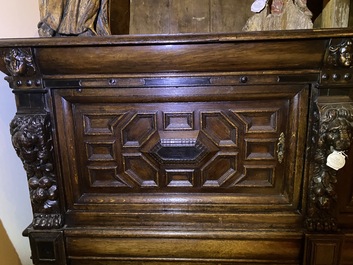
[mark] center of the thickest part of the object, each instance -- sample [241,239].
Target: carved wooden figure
[74,17]
[280,15]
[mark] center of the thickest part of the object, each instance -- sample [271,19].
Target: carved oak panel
[210,149]
[204,149]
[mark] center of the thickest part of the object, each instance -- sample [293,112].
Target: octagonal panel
[179,148]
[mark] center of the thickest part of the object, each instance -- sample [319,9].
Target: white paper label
[258,5]
[336,160]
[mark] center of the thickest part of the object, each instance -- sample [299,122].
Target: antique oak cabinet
[186,149]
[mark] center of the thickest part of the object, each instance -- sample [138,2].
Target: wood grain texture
[188,16]
[179,149]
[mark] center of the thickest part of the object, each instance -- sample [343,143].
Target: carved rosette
[32,140]
[334,127]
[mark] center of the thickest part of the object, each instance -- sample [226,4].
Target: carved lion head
[337,129]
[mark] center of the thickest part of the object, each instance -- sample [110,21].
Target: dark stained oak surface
[185,149]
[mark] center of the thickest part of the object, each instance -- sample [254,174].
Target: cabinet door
[181,150]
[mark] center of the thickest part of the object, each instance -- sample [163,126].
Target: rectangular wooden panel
[188,16]
[140,155]
[323,249]
[179,57]
[149,17]
[229,15]
[347,249]
[285,250]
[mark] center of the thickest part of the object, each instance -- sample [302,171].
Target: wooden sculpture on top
[73,17]
[279,15]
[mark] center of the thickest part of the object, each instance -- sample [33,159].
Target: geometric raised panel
[260,149]
[219,128]
[140,170]
[259,120]
[100,151]
[105,177]
[180,177]
[323,249]
[220,170]
[100,124]
[138,129]
[182,148]
[178,121]
[170,148]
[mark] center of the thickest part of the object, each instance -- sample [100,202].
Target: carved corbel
[338,65]
[341,55]
[334,127]
[21,66]
[32,140]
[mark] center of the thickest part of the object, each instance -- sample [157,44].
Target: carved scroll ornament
[73,17]
[31,138]
[335,129]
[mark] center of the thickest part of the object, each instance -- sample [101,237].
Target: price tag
[258,5]
[336,160]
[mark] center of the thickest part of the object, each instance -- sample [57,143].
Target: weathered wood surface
[188,16]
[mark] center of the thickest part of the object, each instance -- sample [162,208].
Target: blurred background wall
[18,19]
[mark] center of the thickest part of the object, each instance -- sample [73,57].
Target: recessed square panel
[180,177]
[100,151]
[178,121]
[260,149]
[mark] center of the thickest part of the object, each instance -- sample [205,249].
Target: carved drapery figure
[281,15]
[73,17]
[335,129]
